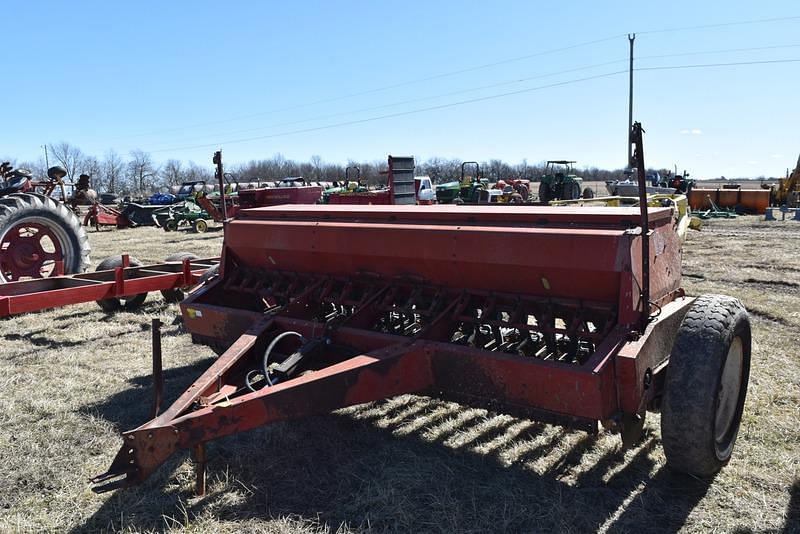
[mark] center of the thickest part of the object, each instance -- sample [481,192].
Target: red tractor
[39,236]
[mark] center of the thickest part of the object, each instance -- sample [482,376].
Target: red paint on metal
[272,196]
[56,291]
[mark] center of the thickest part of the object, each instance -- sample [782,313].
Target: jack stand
[199,456]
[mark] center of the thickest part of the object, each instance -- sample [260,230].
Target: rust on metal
[524,309]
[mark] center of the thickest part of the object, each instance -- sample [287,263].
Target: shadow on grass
[793,510]
[131,407]
[405,465]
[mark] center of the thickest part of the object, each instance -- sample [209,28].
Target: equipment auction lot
[73,378]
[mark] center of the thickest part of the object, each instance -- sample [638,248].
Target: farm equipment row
[319,307]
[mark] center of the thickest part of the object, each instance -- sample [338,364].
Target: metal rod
[199,453]
[638,162]
[221,180]
[158,369]
[631,39]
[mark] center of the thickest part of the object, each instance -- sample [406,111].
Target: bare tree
[316,163]
[68,156]
[173,174]
[92,167]
[112,171]
[197,172]
[142,171]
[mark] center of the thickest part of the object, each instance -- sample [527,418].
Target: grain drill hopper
[573,314]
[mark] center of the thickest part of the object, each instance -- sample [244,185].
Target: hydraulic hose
[270,347]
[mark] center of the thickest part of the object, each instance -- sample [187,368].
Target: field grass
[73,378]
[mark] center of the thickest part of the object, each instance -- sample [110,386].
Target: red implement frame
[55,291]
[99,215]
[536,311]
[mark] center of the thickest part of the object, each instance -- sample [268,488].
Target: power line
[413,100]
[721,25]
[474,100]
[393,86]
[708,65]
[723,51]
[398,114]
[478,88]
[463,71]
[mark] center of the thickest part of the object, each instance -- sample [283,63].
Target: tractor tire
[544,192]
[115,304]
[176,294]
[706,386]
[572,191]
[200,226]
[35,232]
[588,192]
[523,191]
[516,198]
[171,225]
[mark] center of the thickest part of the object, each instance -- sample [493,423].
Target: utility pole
[46,162]
[631,39]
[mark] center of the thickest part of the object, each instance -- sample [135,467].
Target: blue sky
[180,78]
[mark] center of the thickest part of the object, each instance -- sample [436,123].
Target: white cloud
[752,162]
[684,132]
[697,131]
[776,156]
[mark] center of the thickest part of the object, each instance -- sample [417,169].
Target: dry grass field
[73,378]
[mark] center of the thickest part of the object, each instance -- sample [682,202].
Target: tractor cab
[560,182]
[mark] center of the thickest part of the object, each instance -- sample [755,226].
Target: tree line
[137,173]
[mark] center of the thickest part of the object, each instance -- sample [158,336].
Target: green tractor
[468,189]
[560,182]
[187,213]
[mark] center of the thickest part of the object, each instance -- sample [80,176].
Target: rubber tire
[574,191]
[544,192]
[213,272]
[200,226]
[688,411]
[112,305]
[588,192]
[17,207]
[177,294]
[171,225]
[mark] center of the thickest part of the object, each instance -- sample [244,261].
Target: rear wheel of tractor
[176,294]
[572,191]
[544,192]
[588,192]
[35,232]
[200,226]
[706,386]
[171,225]
[114,304]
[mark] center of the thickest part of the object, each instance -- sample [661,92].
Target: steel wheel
[29,250]
[730,386]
